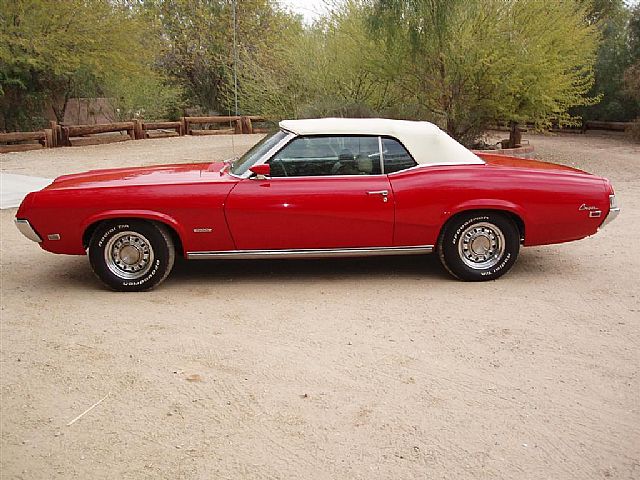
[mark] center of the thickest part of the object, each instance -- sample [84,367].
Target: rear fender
[486,204]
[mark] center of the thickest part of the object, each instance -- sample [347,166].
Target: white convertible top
[425,141]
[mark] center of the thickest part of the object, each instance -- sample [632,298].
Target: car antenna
[235,75]
[233,143]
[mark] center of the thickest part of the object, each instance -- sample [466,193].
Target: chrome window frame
[292,136]
[428,165]
[269,155]
[381,155]
[328,176]
[382,137]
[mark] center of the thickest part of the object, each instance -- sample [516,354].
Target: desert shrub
[337,108]
[148,97]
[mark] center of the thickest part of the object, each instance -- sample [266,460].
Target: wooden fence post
[138,131]
[48,138]
[246,125]
[185,126]
[54,130]
[64,137]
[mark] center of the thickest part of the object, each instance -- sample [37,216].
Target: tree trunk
[515,136]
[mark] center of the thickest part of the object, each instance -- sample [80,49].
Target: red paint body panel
[523,163]
[185,197]
[311,212]
[318,212]
[547,202]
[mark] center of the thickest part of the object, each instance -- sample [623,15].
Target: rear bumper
[27,230]
[613,213]
[614,209]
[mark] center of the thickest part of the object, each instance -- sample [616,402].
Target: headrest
[365,164]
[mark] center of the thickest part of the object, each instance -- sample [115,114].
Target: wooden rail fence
[76,135]
[39,139]
[587,125]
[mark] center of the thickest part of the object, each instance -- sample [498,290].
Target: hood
[151,175]
[526,164]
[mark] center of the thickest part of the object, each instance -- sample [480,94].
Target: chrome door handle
[384,194]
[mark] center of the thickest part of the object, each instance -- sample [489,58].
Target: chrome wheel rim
[481,246]
[128,255]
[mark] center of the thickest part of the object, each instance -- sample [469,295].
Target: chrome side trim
[441,164]
[27,230]
[311,252]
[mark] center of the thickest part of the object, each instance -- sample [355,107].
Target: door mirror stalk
[263,172]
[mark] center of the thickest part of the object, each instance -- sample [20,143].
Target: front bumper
[27,230]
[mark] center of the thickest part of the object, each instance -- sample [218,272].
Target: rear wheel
[131,255]
[479,246]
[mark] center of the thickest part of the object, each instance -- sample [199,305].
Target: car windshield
[260,149]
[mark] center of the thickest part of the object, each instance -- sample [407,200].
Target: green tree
[332,67]
[272,80]
[615,56]
[197,51]
[632,74]
[470,62]
[51,50]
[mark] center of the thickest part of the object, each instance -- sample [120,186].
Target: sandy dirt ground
[363,369]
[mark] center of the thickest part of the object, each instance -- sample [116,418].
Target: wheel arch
[90,224]
[512,212]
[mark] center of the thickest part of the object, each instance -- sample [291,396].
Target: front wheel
[479,246]
[131,255]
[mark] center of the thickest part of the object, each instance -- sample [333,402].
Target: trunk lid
[495,160]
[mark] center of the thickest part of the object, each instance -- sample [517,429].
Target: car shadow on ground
[531,263]
[425,266]
[75,272]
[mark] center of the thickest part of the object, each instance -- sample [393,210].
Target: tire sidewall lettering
[462,227]
[495,270]
[110,232]
[159,242]
[451,239]
[145,279]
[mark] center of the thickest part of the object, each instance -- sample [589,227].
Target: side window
[327,155]
[395,156]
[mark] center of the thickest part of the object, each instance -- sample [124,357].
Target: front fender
[144,214]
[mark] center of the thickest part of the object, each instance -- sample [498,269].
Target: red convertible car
[319,188]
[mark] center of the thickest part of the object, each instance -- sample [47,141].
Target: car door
[324,192]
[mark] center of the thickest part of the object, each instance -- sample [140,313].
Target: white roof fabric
[425,141]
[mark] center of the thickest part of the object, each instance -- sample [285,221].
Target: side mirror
[262,171]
